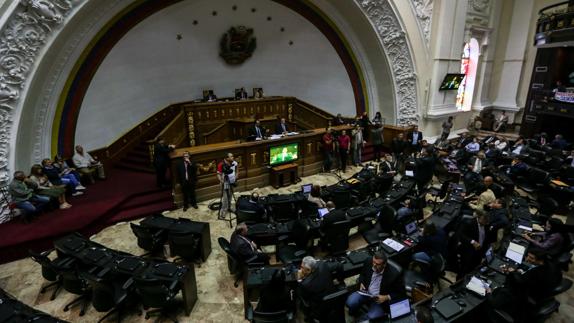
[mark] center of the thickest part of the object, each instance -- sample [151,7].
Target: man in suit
[464,140]
[424,168]
[334,215]
[474,239]
[281,127]
[187,174]
[252,205]
[315,280]
[477,163]
[414,139]
[257,131]
[246,249]
[384,283]
[388,165]
[161,152]
[241,94]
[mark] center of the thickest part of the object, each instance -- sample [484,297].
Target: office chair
[535,180]
[256,316]
[554,165]
[498,190]
[382,228]
[425,274]
[564,259]
[545,207]
[331,308]
[75,284]
[186,245]
[283,212]
[108,293]
[248,216]
[235,265]
[50,270]
[342,198]
[293,253]
[149,239]
[157,294]
[335,236]
[308,209]
[440,193]
[540,310]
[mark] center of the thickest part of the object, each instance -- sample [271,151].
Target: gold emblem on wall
[206,167]
[290,115]
[309,148]
[222,113]
[191,128]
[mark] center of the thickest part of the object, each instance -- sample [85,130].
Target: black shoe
[194,206]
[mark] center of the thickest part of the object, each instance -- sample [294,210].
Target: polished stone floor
[218,300]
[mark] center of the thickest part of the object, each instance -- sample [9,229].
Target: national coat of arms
[237,45]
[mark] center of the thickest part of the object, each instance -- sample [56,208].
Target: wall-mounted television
[283,154]
[451,81]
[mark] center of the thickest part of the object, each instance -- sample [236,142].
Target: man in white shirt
[87,165]
[473,147]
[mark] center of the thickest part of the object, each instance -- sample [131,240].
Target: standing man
[327,150]
[377,140]
[281,127]
[358,143]
[424,167]
[379,284]
[227,173]
[446,126]
[344,147]
[161,161]
[474,239]
[398,146]
[187,174]
[414,138]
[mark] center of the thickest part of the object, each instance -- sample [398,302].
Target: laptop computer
[400,309]
[306,189]
[512,258]
[409,173]
[411,228]
[322,212]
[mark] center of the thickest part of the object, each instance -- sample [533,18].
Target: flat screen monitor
[451,81]
[283,154]
[399,309]
[307,188]
[515,252]
[411,228]
[322,212]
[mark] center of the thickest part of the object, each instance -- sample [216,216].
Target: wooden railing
[313,116]
[125,143]
[174,133]
[217,134]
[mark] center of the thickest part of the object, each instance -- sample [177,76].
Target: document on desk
[293,133]
[525,228]
[478,286]
[397,246]
[274,137]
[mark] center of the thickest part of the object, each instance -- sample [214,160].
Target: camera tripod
[226,215]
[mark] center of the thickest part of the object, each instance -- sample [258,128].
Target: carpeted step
[146,199]
[135,159]
[140,153]
[140,212]
[135,168]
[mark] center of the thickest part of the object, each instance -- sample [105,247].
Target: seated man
[485,198]
[498,215]
[87,165]
[257,131]
[388,165]
[405,211]
[334,215]
[384,284]
[281,127]
[517,168]
[433,241]
[315,280]
[477,163]
[473,147]
[245,248]
[252,205]
[24,197]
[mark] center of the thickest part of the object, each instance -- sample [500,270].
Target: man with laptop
[380,285]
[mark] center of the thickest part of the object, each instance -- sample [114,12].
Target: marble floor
[219,300]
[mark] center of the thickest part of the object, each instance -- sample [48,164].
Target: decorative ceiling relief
[395,45]
[237,45]
[480,5]
[24,35]
[423,12]
[478,13]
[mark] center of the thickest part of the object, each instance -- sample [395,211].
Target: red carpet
[125,195]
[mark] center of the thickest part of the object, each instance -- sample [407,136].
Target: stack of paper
[397,246]
[476,285]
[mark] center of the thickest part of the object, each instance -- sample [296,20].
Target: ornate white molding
[479,5]
[423,12]
[395,44]
[22,38]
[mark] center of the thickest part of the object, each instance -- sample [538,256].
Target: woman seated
[315,197]
[67,172]
[46,188]
[551,240]
[55,177]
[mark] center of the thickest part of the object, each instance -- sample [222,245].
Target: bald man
[486,197]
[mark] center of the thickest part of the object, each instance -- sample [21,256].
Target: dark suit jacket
[335,215]
[469,231]
[241,247]
[253,132]
[398,146]
[248,205]
[392,283]
[424,168]
[385,168]
[410,137]
[161,155]
[279,129]
[191,172]
[318,284]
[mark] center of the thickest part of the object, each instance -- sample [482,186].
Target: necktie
[258,132]
[480,234]
[283,126]
[186,164]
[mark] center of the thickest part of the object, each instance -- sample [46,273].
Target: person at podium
[241,94]
[257,131]
[281,128]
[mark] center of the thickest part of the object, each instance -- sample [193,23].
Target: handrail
[541,11]
[205,134]
[167,128]
[312,110]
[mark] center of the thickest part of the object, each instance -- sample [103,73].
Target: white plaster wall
[149,68]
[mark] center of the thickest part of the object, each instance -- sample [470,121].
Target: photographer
[227,173]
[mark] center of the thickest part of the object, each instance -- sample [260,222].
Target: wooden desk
[280,174]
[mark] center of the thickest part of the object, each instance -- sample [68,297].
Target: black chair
[185,245]
[342,198]
[293,253]
[382,228]
[564,259]
[235,264]
[157,294]
[283,212]
[331,308]
[440,193]
[541,310]
[425,274]
[335,236]
[536,179]
[50,270]
[546,207]
[149,239]
[75,284]
[247,216]
[108,293]
[255,316]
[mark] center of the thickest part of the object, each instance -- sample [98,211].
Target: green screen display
[283,154]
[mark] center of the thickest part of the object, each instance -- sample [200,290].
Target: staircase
[137,159]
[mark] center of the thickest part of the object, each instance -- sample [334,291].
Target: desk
[283,175]
[12,310]
[398,191]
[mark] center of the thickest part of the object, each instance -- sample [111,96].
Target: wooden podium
[283,175]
